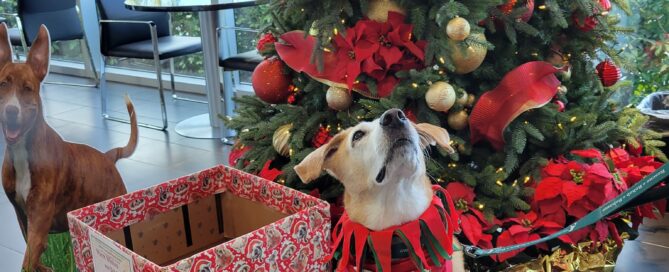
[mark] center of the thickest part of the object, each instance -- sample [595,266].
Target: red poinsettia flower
[575,188]
[352,50]
[268,172]
[472,221]
[632,169]
[526,227]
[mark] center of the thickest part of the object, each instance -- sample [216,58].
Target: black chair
[141,35]
[61,17]
[230,61]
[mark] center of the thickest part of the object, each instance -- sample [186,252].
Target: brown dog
[44,176]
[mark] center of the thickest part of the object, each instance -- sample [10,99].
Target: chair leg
[175,96]
[103,87]
[87,50]
[161,90]
[103,98]
[18,56]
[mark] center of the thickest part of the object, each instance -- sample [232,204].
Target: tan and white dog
[382,167]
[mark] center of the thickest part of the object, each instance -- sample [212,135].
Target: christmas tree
[523,87]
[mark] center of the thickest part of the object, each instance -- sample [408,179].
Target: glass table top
[188,5]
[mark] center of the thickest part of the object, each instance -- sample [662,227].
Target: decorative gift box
[220,219]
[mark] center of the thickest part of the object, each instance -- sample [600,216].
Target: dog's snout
[11,112]
[393,118]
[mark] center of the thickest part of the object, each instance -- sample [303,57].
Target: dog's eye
[358,135]
[3,84]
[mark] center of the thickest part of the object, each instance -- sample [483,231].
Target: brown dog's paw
[43,268]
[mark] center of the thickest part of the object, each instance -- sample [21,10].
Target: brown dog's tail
[124,152]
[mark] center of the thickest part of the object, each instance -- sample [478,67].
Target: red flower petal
[471,228]
[269,173]
[505,239]
[550,206]
[459,190]
[591,153]
[554,169]
[573,192]
[548,188]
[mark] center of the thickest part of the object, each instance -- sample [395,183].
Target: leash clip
[470,251]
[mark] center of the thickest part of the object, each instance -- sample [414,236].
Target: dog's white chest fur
[22,170]
[392,205]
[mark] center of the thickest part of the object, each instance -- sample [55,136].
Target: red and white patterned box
[220,219]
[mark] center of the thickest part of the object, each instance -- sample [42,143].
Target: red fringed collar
[437,225]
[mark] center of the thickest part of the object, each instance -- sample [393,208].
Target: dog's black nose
[393,118]
[11,112]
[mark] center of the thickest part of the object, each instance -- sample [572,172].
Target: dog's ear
[5,46]
[433,135]
[311,167]
[40,52]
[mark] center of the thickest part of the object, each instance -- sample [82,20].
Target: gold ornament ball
[281,140]
[562,90]
[458,29]
[338,98]
[440,96]
[377,10]
[468,59]
[458,120]
[471,99]
[462,100]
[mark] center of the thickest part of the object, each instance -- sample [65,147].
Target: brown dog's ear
[311,167]
[433,135]
[40,52]
[5,46]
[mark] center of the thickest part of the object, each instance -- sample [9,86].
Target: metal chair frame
[158,66]
[225,75]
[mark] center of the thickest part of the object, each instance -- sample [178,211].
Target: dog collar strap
[430,236]
[603,211]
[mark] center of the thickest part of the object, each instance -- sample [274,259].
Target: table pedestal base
[198,127]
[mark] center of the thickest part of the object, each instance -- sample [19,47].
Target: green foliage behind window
[651,48]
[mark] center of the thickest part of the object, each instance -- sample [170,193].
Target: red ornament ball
[586,24]
[560,104]
[270,83]
[507,8]
[608,73]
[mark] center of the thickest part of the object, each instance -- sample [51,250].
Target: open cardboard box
[220,219]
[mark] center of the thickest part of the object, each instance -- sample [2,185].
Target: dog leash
[591,218]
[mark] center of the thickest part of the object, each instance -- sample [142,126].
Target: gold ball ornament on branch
[458,120]
[440,96]
[377,10]
[467,59]
[471,99]
[462,100]
[338,98]
[281,140]
[458,29]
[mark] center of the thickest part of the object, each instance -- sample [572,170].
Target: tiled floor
[74,112]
